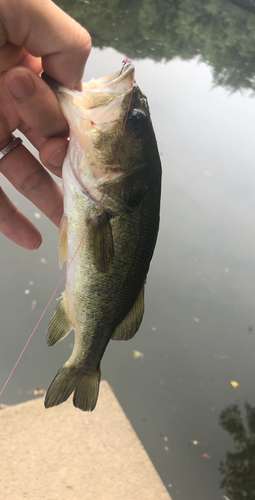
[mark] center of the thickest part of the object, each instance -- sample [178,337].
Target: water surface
[198,332]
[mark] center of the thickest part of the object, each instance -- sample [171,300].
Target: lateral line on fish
[83,238]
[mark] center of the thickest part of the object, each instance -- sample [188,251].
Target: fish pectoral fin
[129,326]
[59,325]
[62,241]
[101,242]
[68,380]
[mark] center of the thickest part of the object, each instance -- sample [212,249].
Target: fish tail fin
[85,388]
[86,391]
[61,387]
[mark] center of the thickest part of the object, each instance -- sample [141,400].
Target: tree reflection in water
[218,32]
[239,466]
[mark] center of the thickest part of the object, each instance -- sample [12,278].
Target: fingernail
[57,158]
[21,87]
[78,86]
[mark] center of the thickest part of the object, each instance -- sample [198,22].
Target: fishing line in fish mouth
[124,64]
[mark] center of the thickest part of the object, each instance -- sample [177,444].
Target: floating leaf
[33,304]
[138,354]
[38,390]
[234,384]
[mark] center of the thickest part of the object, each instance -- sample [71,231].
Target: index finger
[47,32]
[31,179]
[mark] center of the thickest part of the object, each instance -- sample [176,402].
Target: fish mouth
[99,104]
[103,90]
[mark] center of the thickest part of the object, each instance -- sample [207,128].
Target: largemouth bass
[112,181]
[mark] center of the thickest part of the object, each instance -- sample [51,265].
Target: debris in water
[26,292]
[37,215]
[33,304]
[197,320]
[138,354]
[234,384]
[38,390]
[208,174]
[43,260]
[206,455]
[2,406]
[166,448]
[195,442]
[154,329]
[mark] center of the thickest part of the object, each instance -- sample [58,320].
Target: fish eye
[137,122]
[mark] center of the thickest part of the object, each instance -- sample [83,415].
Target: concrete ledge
[63,453]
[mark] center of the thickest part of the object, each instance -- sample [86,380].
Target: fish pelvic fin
[68,380]
[131,323]
[59,325]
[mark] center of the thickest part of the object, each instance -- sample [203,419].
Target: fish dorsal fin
[101,242]
[129,326]
[59,325]
[62,241]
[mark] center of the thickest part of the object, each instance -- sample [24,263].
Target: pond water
[190,395]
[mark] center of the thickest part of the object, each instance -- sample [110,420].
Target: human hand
[35,35]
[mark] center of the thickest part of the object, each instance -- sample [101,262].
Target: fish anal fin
[101,242]
[59,325]
[62,241]
[129,326]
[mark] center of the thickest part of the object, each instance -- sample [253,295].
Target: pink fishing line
[83,238]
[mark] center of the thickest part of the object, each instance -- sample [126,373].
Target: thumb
[47,32]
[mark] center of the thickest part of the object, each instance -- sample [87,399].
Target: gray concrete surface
[64,453]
